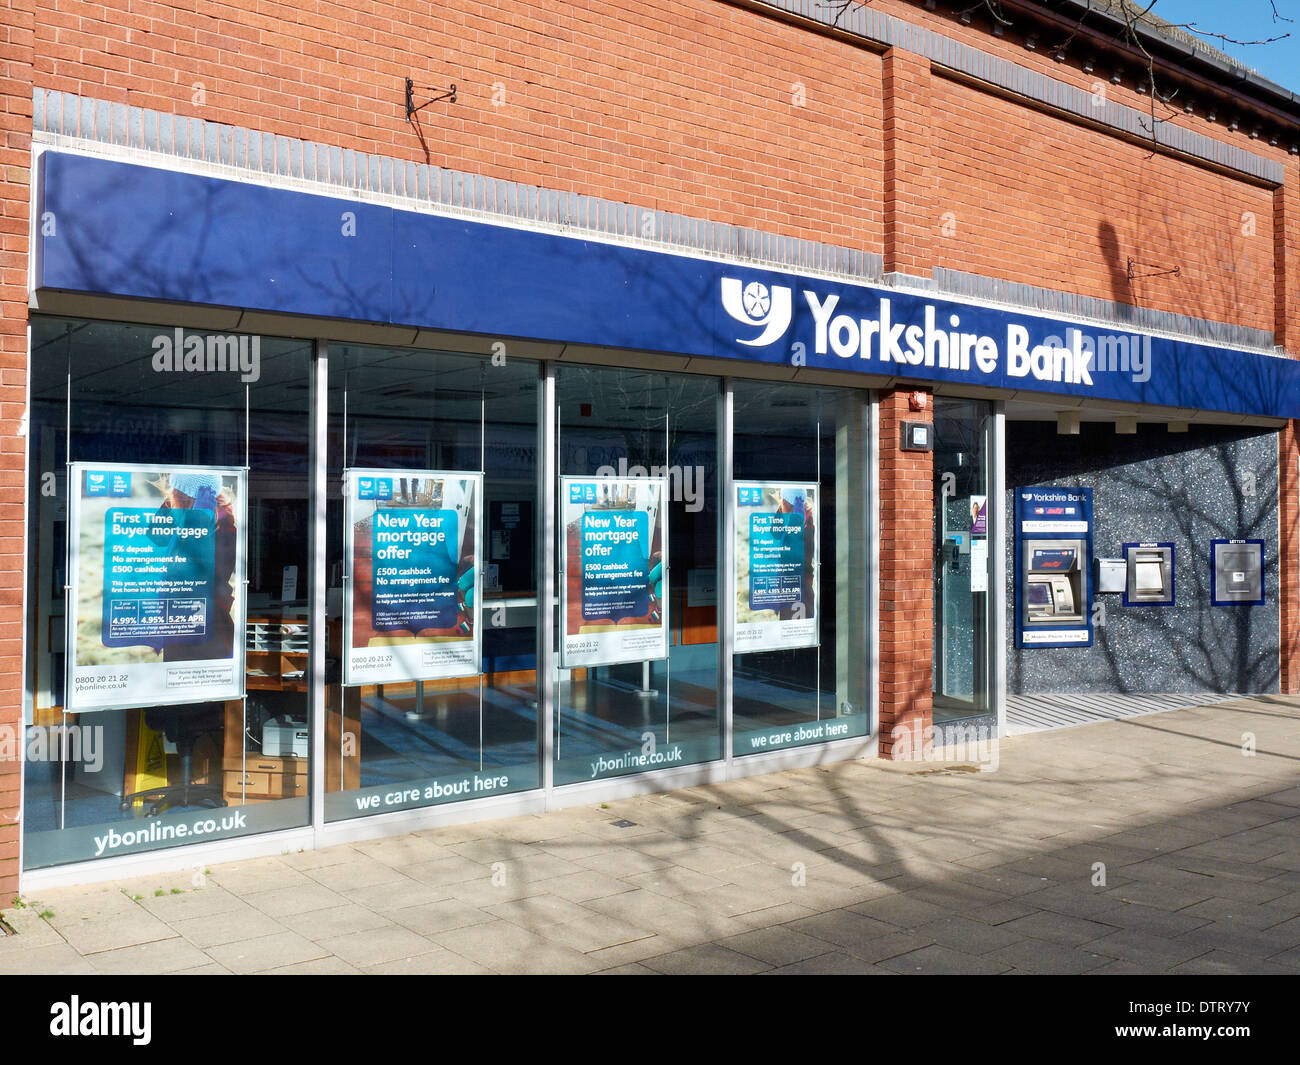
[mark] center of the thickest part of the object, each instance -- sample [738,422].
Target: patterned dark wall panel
[1189,488]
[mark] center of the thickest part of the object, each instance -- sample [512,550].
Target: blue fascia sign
[149,233]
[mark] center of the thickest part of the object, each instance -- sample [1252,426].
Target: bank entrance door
[963,512]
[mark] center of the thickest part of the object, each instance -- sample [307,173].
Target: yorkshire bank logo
[934,335]
[757,305]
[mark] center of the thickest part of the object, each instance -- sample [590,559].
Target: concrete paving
[1156,844]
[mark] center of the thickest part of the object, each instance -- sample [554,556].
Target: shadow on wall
[1186,488]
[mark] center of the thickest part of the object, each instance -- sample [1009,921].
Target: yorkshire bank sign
[896,345]
[129,230]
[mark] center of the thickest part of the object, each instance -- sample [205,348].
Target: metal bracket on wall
[411,107]
[1155,271]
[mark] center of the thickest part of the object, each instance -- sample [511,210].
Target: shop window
[166,684]
[432,533]
[637,640]
[800,554]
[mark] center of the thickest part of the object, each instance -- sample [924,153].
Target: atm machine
[1056,588]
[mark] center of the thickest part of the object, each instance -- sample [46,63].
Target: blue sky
[1245,20]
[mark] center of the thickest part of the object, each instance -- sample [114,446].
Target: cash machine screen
[1055,560]
[1039,595]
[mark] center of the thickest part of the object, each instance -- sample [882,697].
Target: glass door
[962,514]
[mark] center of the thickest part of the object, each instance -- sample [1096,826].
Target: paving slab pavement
[1150,845]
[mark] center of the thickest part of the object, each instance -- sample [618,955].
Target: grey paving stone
[437,962]
[315,967]
[282,902]
[902,911]
[584,886]
[1041,956]
[1247,942]
[1059,928]
[506,948]
[376,945]
[434,917]
[219,928]
[936,959]
[597,933]
[968,935]
[394,894]
[442,872]
[160,956]
[359,872]
[776,946]
[335,921]
[708,959]
[266,952]
[200,902]
[1227,963]
[59,958]
[832,964]
[538,911]
[1159,952]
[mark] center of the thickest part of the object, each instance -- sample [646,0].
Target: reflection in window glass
[432,635]
[799,466]
[637,684]
[155,747]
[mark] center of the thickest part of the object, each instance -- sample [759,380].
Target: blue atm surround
[1046,515]
[148,233]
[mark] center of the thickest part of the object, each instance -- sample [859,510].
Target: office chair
[184,726]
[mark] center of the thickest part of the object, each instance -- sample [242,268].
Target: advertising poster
[776,566]
[614,587]
[413,606]
[156,573]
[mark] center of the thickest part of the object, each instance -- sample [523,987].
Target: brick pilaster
[906,580]
[16,30]
[909,172]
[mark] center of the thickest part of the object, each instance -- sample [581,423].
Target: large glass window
[432,534]
[800,499]
[171,529]
[168,532]
[637,639]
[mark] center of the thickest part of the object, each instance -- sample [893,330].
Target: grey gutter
[1206,55]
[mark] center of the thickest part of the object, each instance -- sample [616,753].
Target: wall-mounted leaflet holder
[1237,572]
[1053,557]
[1149,574]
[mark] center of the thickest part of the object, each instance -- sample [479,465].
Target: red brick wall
[906,580]
[681,105]
[16,17]
[1033,198]
[909,170]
